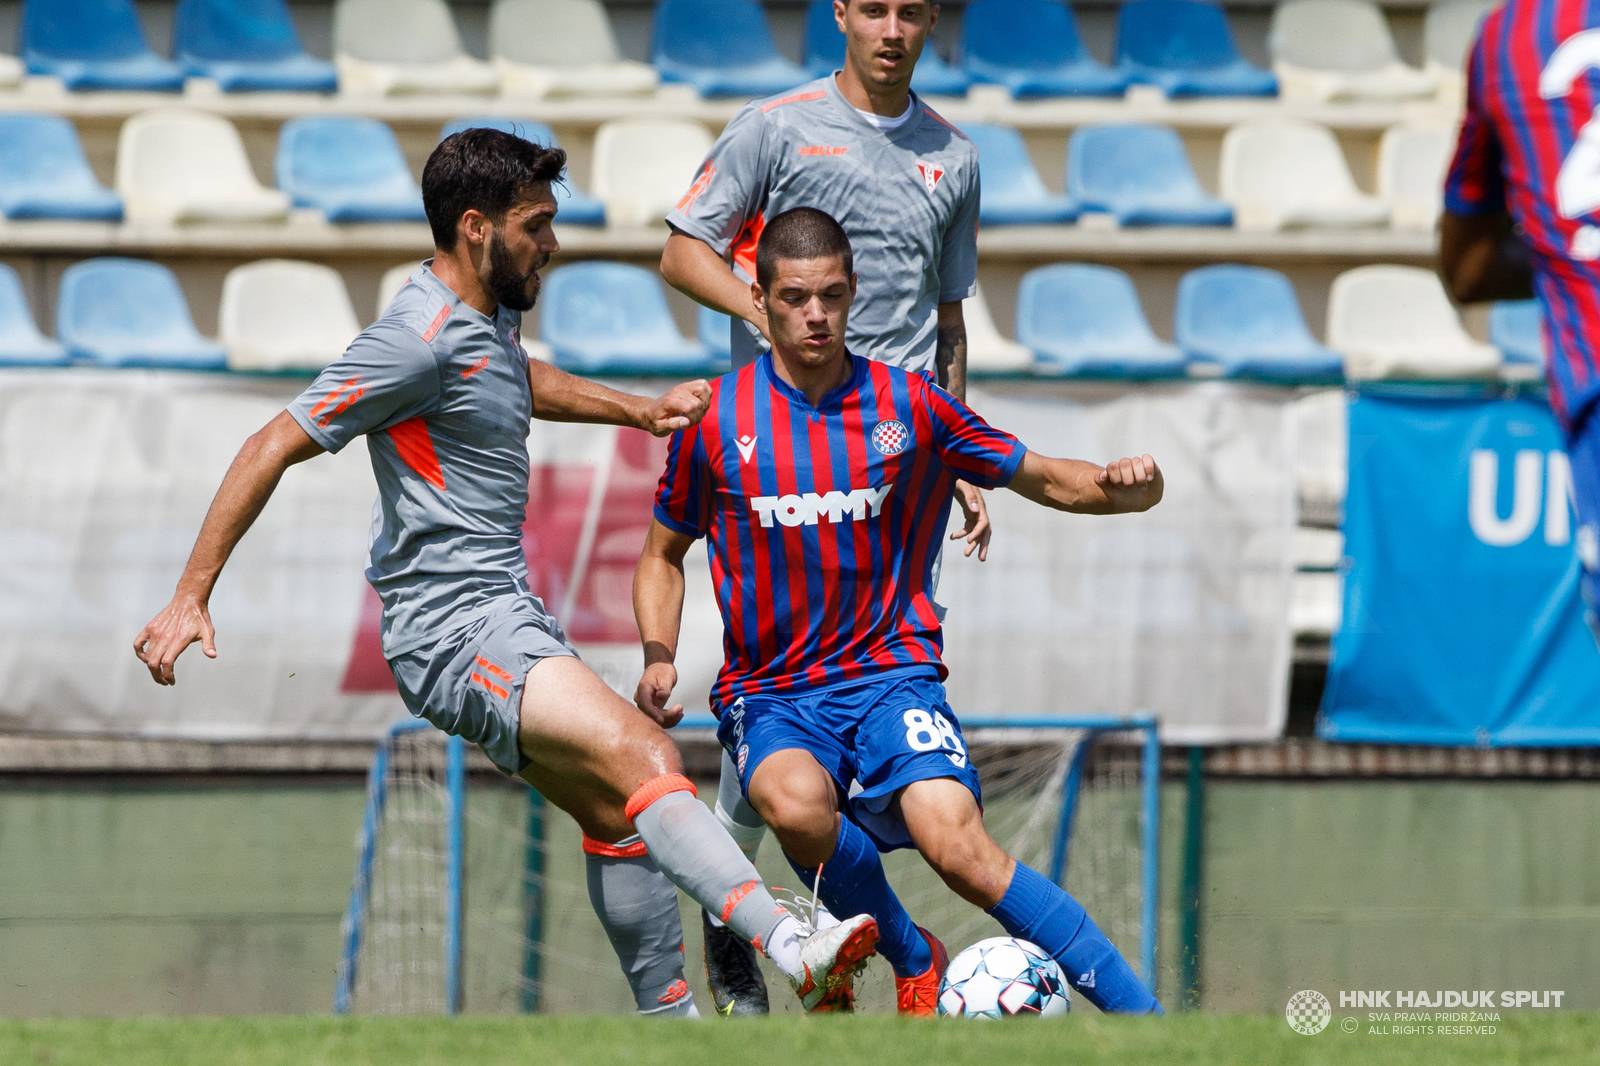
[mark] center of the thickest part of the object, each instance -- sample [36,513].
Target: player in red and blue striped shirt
[822,482]
[1529,157]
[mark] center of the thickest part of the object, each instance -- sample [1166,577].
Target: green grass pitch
[1081,1040]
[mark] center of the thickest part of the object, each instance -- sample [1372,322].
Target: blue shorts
[874,736]
[1583,453]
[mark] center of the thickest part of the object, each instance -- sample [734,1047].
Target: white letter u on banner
[1527,498]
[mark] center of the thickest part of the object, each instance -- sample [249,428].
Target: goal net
[469,892]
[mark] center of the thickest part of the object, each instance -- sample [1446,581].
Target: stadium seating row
[1322,49]
[1072,320]
[178,166]
[1276,174]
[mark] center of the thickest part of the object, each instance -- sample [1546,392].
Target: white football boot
[830,959]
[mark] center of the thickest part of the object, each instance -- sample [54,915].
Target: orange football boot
[919,995]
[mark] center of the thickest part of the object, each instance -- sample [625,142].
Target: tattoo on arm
[950,359]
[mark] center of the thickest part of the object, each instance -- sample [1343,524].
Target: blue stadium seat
[21,343]
[722,48]
[43,173]
[127,312]
[92,44]
[1140,175]
[1516,328]
[716,334]
[573,207]
[1086,321]
[614,317]
[825,54]
[1013,195]
[351,168]
[1246,322]
[1032,48]
[247,45]
[1186,48]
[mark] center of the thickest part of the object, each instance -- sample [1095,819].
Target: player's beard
[510,287]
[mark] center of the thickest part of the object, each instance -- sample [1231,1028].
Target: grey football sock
[740,819]
[690,846]
[638,907]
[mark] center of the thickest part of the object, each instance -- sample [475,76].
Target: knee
[796,808]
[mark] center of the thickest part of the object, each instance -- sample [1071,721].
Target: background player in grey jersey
[903,182]
[443,391]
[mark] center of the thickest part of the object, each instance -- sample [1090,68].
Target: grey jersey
[441,391]
[908,199]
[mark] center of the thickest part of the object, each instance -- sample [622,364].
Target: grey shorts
[470,683]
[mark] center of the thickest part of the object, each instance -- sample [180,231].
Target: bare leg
[795,797]
[947,828]
[592,754]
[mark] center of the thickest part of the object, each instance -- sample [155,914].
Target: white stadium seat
[988,351]
[278,314]
[1412,161]
[1340,50]
[176,166]
[1287,174]
[1321,458]
[637,193]
[562,48]
[1396,322]
[394,47]
[1316,605]
[1448,31]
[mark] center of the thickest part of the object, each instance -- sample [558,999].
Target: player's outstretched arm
[245,490]
[562,397]
[1124,486]
[658,608]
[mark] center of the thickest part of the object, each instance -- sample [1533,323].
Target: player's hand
[680,408]
[1132,484]
[655,689]
[182,622]
[976,530]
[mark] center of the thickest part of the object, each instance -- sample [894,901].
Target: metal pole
[361,886]
[1193,873]
[1151,844]
[455,774]
[533,905]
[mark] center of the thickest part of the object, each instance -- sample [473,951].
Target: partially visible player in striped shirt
[821,481]
[1523,197]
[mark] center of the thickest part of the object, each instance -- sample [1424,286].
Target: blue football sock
[1036,910]
[853,883]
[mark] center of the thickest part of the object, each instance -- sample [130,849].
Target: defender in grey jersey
[906,192]
[444,392]
[861,147]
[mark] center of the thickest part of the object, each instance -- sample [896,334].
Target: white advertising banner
[105,477]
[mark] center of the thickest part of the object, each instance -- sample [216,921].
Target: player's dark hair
[801,233]
[483,169]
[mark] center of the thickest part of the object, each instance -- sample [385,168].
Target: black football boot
[733,971]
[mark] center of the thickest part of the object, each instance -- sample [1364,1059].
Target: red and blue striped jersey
[823,523]
[1530,145]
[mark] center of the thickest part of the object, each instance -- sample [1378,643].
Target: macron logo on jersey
[747,448]
[806,510]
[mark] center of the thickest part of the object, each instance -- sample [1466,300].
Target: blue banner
[1463,622]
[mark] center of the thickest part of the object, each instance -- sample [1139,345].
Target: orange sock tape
[613,851]
[654,789]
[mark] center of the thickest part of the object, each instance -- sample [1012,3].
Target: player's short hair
[483,169]
[801,233]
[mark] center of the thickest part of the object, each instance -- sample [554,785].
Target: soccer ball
[1003,978]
